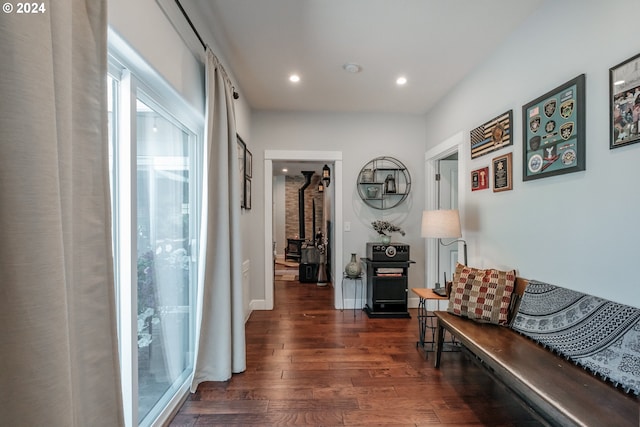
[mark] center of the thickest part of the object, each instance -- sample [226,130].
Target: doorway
[332,158]
[443,160]
[447,189]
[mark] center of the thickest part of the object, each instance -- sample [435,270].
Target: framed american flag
[493,135]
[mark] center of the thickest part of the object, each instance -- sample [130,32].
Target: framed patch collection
[554,132]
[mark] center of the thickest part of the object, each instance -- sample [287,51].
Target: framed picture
[248,169]
[624,105]
[503,173]
[480,179]
[553,132]
[493,135]
[242,148]
[247,193]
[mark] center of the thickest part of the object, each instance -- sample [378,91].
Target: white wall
[146,28]
[360,137]
[143,25]
[578,230]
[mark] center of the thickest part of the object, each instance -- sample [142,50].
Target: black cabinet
[387,288]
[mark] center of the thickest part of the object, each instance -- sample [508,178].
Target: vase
[353,268]
[385,240]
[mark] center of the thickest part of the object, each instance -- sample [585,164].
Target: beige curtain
[220,349]
[58,345]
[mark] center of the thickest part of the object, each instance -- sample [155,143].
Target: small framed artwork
[242,148]
[480,179]
[247,193]
[554,132]
[624,105]
[503,173]
[249,164]
[493,135]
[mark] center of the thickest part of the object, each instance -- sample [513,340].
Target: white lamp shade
[441,224]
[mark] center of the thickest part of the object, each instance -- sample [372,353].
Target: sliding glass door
[166,250]
[156,175]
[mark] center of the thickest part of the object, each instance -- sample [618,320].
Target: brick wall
[292,226]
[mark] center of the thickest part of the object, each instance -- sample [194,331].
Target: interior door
[448,199]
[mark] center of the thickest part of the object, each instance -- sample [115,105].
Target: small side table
[426,320]
[355,280]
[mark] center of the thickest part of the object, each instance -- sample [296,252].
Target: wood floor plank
[311,365]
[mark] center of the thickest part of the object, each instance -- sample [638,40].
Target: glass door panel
[166,236]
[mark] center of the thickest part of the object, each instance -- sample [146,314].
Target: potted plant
[384,229]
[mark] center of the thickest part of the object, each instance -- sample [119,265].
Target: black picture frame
[248,168]
[242,149]
[247,193]
[624,103]
[553,132]
[493,135]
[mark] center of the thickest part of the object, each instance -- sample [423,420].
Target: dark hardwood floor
[311,365]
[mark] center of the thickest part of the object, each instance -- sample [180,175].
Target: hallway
[309,365]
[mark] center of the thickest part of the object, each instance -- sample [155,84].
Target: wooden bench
[559,391]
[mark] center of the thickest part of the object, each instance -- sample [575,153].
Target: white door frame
[334,157]
[446,148]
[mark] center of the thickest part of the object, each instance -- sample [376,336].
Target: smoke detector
[351,67]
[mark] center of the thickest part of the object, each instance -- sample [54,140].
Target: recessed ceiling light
[294,78]
[351,67]
[618,83]
[401,81]
[285,170]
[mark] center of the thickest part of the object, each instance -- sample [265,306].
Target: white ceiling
[434,43]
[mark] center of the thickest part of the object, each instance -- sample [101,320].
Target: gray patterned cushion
[597,334]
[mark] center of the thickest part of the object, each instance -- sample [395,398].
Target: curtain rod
[204,45]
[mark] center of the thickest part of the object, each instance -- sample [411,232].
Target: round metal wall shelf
[384,183]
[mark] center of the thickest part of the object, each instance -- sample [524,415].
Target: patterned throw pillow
[482,295]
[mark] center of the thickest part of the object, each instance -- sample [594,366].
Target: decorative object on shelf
[389,177]
[553,132]
[390,184]
[624,104]
[353,268]
[492,136]
[367,175]
[372,192]
[502,173]
[384,227]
